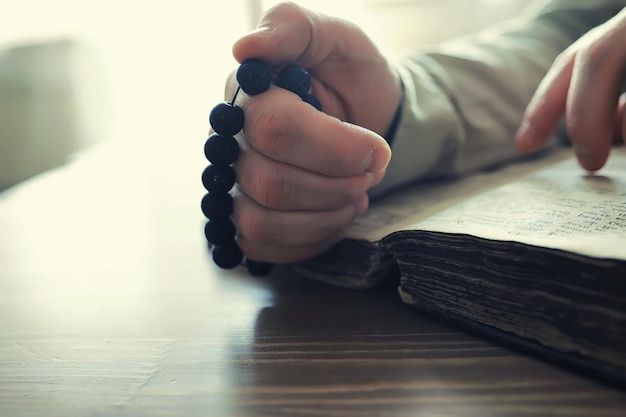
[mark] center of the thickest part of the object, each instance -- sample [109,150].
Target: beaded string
[222,150]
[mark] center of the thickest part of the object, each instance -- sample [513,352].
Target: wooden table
[110,306]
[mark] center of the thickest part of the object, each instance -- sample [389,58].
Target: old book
[533,254]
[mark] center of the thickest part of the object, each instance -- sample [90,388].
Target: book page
[411,204]
[561,207]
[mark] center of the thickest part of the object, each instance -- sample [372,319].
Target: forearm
[465,99]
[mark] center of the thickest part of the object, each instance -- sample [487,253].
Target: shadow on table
[321,350]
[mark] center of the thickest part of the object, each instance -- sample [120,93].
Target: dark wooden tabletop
[110,306]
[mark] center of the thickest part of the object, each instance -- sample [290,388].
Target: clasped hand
[303,175]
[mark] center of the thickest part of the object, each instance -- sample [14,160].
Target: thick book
[532,254]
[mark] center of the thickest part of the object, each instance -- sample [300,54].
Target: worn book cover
[533,254]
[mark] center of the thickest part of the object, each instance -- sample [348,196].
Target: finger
[282,127]
[280,186]
[285,254]
[619,123]
[278,252]
[547,105]
[592,103]
[347,69]
[282,35]
[289,33]
[291,228]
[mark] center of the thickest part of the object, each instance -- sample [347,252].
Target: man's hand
[584,84]
[303,175]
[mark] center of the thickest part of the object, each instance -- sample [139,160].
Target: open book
[533,254]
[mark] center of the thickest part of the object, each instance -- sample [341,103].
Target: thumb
[288,33]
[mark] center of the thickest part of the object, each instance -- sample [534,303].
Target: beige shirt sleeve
[464,99]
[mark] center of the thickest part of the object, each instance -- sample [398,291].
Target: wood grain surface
[110,306]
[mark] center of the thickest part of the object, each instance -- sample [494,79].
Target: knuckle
[274,190]
[275,135]
[268,132]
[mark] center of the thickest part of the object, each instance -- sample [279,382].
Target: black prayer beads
[295,79]
[227,117]
[254,77]
[222,150]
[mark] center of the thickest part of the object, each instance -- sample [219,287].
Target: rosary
[222,150]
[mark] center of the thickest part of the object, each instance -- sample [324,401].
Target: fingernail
[376,160]
[262,31]
[367,162]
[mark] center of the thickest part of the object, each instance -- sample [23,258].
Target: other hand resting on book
[584,84]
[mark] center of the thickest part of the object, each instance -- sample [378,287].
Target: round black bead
[226,119]
[221,150]
[313,101]
[217,206]
[218,180]
[254,76]
[295,79]
[220,232]
[258,268]
[227,256]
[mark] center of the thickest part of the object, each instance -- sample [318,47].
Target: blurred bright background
[145,74]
